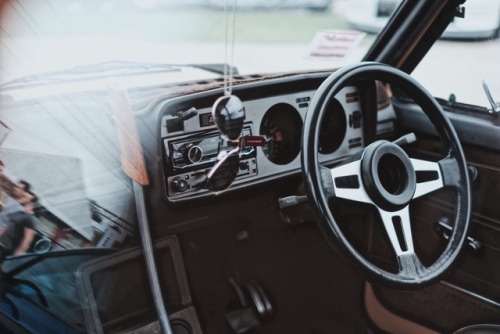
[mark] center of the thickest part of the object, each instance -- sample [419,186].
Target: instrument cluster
[192,148]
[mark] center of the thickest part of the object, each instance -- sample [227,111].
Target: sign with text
[334,44]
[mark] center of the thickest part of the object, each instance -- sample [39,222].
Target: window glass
[465,56]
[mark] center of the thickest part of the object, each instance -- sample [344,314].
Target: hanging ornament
[228,111]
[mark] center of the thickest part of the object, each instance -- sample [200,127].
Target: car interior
[329,201]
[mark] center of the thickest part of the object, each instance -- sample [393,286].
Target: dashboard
[191,142]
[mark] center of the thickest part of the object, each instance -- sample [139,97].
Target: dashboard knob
[192,153]
[179,185]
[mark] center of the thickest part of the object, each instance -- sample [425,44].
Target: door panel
[470,294]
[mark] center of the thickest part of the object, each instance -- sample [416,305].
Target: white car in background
[482,22]
[319,5]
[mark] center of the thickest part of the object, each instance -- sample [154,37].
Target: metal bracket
[495,106]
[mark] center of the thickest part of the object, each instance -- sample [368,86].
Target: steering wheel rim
[320,184]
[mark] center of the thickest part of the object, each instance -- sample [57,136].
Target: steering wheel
[382,175]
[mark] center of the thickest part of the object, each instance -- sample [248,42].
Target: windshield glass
[257,37]
[466,55]
[38,36]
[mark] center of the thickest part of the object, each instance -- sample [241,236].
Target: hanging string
[229,43]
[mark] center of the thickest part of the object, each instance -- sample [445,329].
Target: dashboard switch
[244,166]
[355,120]
[192,153]
[179,185]
[444,228]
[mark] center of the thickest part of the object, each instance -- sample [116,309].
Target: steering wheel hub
[388,175]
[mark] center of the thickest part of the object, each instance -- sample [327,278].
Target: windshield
[46,35]
[257,37]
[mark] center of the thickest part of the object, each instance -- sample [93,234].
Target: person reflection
[19,233]
[17,218]
[19,194]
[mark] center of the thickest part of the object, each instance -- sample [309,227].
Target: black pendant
[228,113]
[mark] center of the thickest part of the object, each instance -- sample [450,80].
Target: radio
[188,159]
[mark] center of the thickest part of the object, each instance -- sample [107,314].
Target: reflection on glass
[224,172]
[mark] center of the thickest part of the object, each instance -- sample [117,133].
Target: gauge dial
[282,124]
[333,128]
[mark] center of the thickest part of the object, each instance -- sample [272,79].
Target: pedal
[242,320]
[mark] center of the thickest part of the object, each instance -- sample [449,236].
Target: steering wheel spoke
[347,182]
[428,177]
[411,267]
[398,228]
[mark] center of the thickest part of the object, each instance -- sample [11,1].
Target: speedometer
[282,124]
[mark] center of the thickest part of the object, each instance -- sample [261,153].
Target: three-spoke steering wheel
[384,176]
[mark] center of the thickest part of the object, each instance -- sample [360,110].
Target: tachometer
[333,128]
[283,125]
